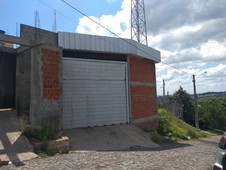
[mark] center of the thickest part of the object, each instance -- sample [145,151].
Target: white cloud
[213,50]
[178,32]
[197,45]
[118,23]
[217,71]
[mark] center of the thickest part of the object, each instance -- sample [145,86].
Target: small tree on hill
[182,97]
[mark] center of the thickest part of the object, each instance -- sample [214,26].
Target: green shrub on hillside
[173,127]
[212,113]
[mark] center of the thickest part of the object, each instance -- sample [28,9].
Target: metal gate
[94,93]
[7,80]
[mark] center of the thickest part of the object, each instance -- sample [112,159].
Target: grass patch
[40,134]
[176,129]
[159,139]
[42,154]
[40,137]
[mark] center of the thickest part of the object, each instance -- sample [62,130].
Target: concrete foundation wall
[23,81]
[142,84]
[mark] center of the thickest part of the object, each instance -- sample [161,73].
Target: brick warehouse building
[69,80]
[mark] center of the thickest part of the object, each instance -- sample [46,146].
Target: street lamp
[195,100]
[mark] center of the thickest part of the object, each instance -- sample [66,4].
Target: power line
[104,28]
[83,15]
[175,68]
[117,34]
[91,19]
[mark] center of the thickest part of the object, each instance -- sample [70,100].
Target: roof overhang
[94,43]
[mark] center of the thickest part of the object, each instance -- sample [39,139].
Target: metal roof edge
[97,43]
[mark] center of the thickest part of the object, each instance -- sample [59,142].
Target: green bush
[212,113]
[40,134]
[175,128]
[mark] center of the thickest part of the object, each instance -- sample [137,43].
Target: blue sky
[22,11]
[191,35]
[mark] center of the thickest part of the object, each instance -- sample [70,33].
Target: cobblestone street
[196,154]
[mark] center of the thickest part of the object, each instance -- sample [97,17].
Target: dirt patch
[117,137]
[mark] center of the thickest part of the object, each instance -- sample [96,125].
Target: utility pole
[164,90]
[195,103]
[195,100]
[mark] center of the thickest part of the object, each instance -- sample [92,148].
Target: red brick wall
[142,82]
[142,70]
[143,101]
[50,74]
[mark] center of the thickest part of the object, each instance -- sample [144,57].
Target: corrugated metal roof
[105,44]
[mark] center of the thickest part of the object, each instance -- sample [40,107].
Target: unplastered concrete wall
[39,35]
[143,99]
[45,86]
[23,81]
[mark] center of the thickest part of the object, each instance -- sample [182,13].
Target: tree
[182,97]
[212,112]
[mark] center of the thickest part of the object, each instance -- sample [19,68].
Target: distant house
[69,80]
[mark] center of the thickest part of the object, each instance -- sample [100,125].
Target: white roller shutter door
[94,93]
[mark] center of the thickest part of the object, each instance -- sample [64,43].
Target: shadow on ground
[163,147]
[13,145]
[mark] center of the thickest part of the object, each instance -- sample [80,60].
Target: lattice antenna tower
[54,27]
[138,22]
[37,24]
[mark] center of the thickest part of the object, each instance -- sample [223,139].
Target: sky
[191,35]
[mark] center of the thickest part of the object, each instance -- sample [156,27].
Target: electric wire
[79,11]
[103,28]
[109,31]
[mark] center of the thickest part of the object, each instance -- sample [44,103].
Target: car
[220,159]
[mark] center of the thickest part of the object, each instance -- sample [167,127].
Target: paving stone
[185,155]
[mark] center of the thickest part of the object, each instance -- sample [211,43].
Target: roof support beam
[15,40]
